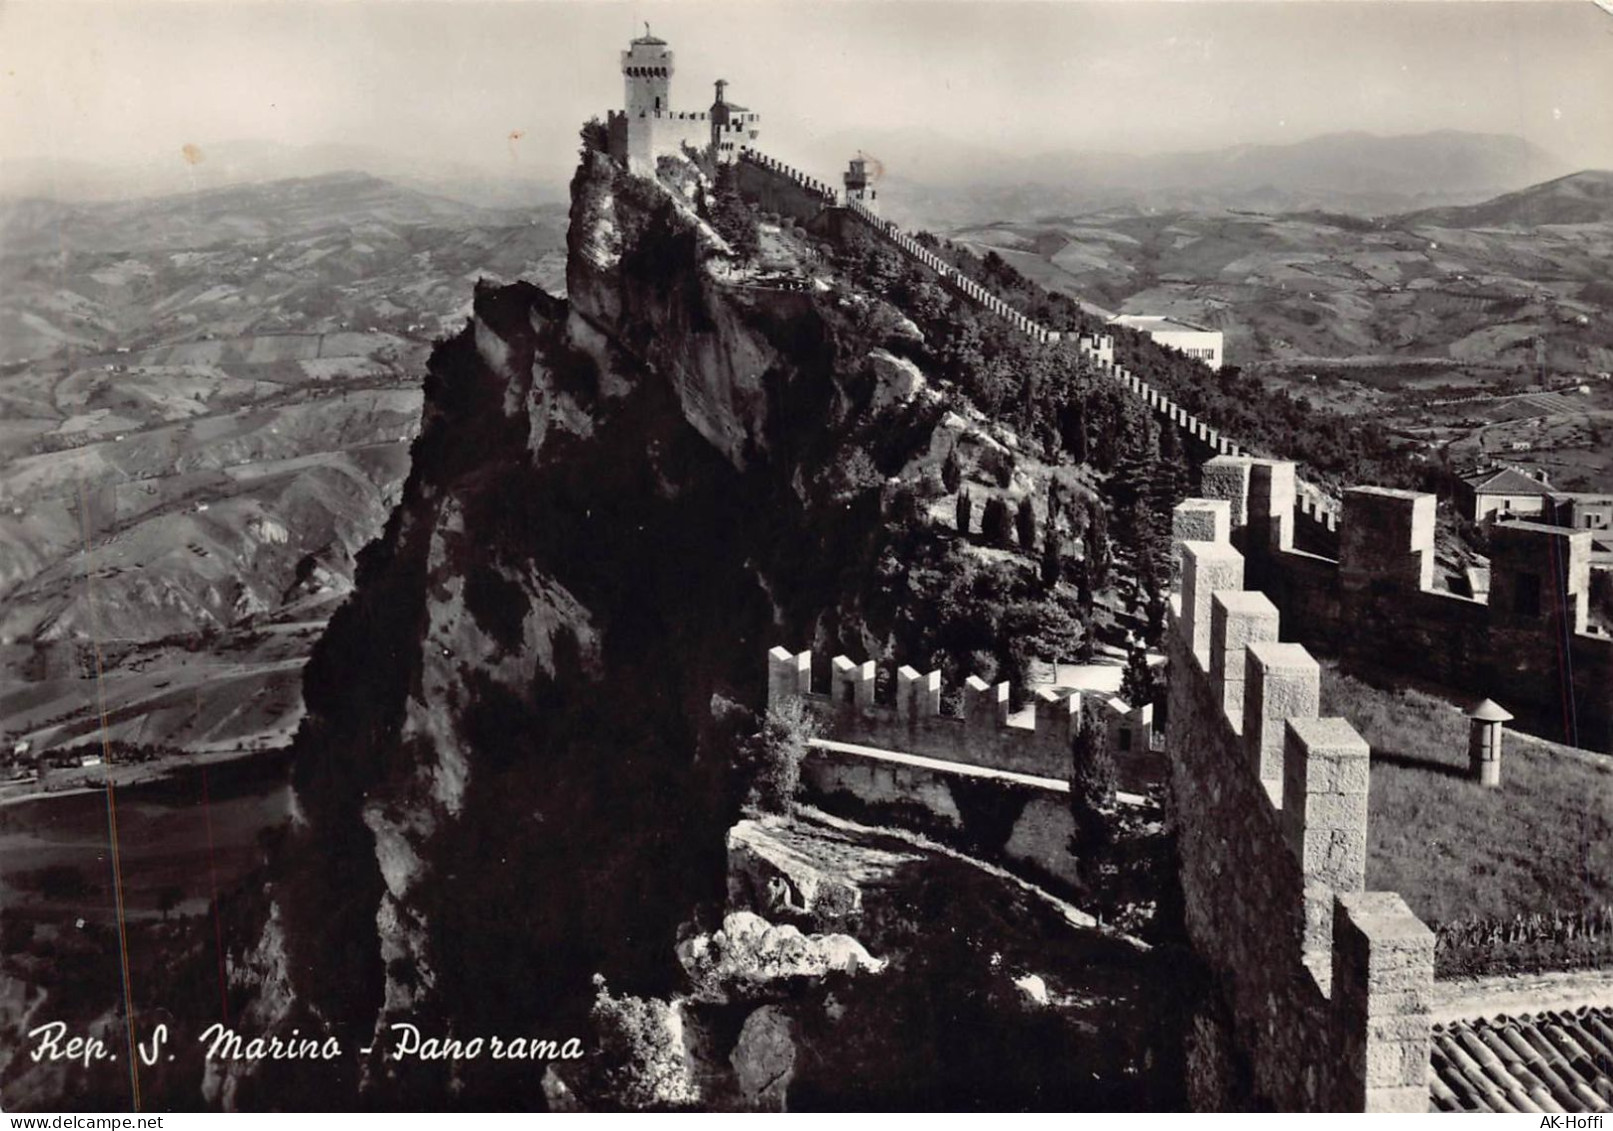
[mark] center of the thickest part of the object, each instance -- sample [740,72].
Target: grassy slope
[1543,842]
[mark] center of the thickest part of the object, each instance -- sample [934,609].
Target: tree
[951,471]
[1052,558]
[731,216]
[639,1060]
[1096,545]
[995,525]
[1025,525]
[965,509]
[594,136]
[1138,684]
[775,752]
[1154,606]
[1092,801]
[169,898]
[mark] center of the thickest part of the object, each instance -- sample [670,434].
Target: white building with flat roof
[1174,333]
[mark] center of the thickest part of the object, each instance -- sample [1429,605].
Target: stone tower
[858,186]
[647,71]
[732,125]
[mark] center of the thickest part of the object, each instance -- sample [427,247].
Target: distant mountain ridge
[1356,173]
[1477,283]
[298,206]
[1585,197]
[233,164]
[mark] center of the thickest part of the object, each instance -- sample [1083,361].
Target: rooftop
[1159,322]
[1504,481]
[1557,1061]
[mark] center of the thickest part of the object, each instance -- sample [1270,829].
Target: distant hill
[251,162]
[220,386]
[1579,198]
[1476,284]
[275,210]
[1358,173]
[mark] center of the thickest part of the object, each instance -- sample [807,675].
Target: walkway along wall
[998,784]
[1528,647]
[982,735]
[1326,986]
[780,189]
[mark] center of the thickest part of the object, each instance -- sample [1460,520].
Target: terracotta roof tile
[1559,1061]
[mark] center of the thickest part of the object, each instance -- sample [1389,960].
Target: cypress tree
[1025,525]
[995,525]
[1052,558]
[965,511]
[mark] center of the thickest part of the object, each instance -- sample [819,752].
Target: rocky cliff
[512,775]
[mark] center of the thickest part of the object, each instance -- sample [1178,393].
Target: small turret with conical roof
[1484,741]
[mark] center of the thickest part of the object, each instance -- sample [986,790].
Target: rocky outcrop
[764,1059]
[749,954]
[778,871]
[510,771]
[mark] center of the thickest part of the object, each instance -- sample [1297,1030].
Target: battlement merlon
[1206,568]
[1281,682]
[1273,490]
[1387,535]
[1382,981]
[1227,477]
[1539,574]
[1238,618]
[1326,771]
[1197,520]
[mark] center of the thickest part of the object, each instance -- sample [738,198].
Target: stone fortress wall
[1325,986]
[1000,785]
[654,133]
[778,188]
[1038,742]
[1374,605]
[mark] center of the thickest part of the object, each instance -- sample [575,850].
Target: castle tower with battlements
[649,128]
[647,72]
[859,186]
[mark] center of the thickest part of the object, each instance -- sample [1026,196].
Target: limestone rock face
[816,878]
[896,380]
[764,1059]
[764,872]
[739,961]
[508,739]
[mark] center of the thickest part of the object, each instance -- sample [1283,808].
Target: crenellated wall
[1375,606]
[995,784]
[1326,985]
[776,187]
[789,192]
[638,142]
[983,735]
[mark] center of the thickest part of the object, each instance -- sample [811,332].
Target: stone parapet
[1322,981]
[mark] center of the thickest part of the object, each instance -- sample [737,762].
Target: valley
[206,407]
[1449,325]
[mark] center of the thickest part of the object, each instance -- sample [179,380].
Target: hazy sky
[125,82]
